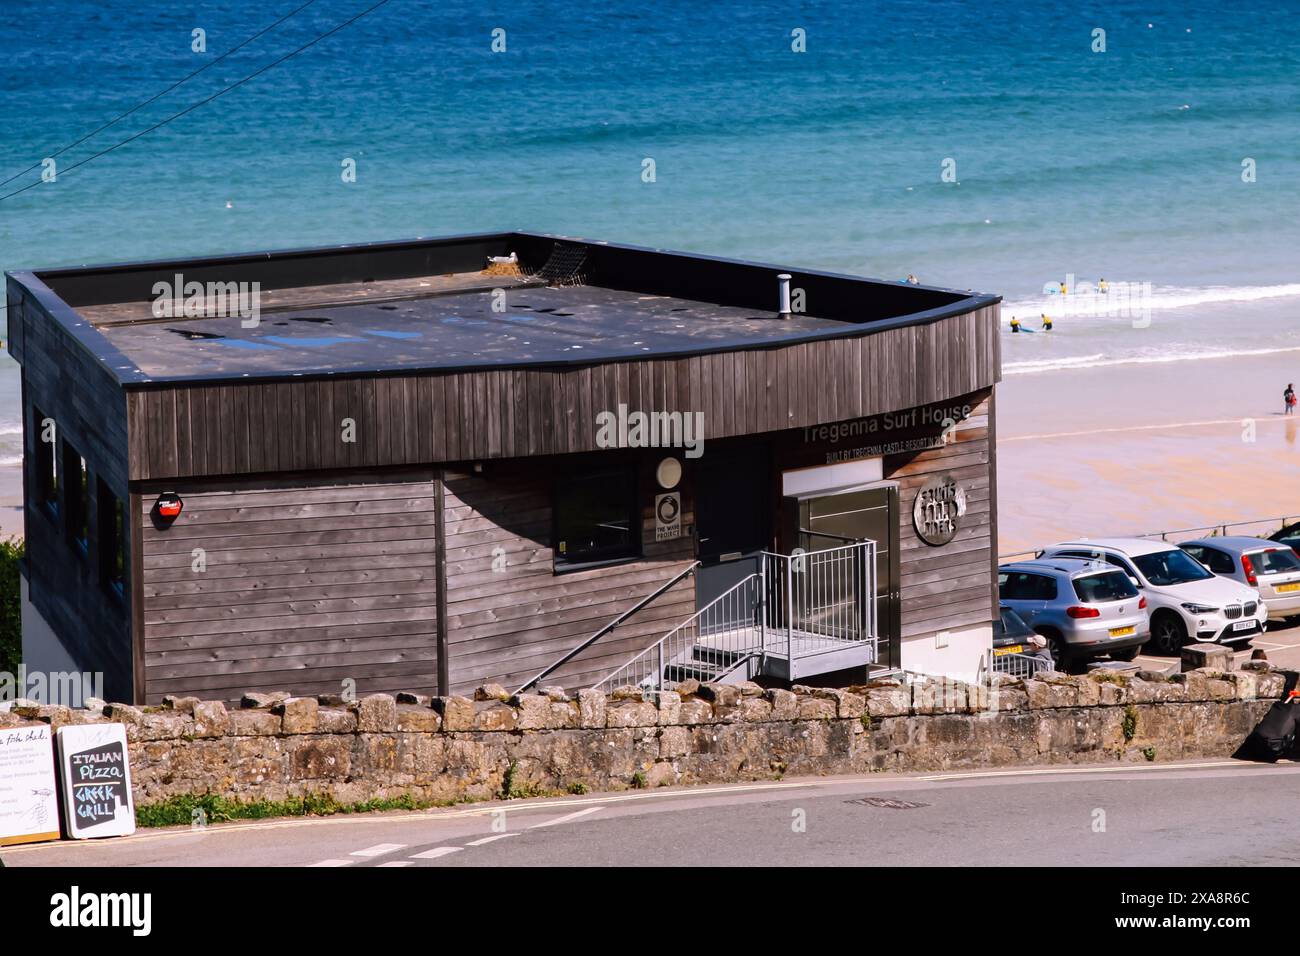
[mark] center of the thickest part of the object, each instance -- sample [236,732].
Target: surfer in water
[1288,399]
[1015,324]
[1047,322]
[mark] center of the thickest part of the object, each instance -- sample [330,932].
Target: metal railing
[793,606]
[621,619]
[1220,530]
[1020,666]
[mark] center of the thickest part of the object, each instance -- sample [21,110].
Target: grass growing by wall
[187,810]
[11,626]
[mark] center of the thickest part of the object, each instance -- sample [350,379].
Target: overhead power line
[153,99]
[206,100]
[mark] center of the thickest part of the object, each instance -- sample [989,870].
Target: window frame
[48,468]
[110,518]
[76,505]
[624,471]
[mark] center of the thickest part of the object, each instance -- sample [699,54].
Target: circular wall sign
[938,510]
[668,473]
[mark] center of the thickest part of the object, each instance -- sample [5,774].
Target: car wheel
[1128,654]
[1168,634]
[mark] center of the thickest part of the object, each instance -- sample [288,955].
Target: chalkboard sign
[29,808]
[93,761]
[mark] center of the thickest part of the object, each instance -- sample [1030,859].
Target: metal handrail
[621,619]
[821,599]
[1220,527]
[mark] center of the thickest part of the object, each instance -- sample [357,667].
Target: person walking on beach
[1288,399]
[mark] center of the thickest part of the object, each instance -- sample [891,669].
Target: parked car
[1083,608]
[1288,535]
[1185,600]
[1017,649]
[1270,567]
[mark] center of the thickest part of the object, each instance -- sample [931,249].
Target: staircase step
[716,655]
[681,672]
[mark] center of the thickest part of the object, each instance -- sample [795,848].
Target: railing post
[789,614]
[762,604]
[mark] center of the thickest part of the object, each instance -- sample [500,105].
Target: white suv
[1186,600]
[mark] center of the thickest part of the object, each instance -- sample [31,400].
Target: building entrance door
[831,519]
[733,505]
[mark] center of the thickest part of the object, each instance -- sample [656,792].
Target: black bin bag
[1275,737]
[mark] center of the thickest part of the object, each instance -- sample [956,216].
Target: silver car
[1083,608]
[1270,567]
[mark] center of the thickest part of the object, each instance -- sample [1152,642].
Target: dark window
[1274,561]
[47,462]
[1106,586]
[76,497]
[1216,560]
[1164,568]
[597,518]
[112,539]
[1021,586]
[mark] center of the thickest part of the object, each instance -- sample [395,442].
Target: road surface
[1214,813]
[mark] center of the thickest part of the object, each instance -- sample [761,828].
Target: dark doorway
[733,506]
[832,520]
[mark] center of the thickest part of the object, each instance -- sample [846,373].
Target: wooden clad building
[429,464]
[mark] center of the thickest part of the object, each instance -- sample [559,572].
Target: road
[1214,813]
[1281,643]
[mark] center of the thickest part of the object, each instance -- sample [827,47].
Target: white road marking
[1050,771]
[396,863]
[564,819]
[333,863]
[379,849]
[490,839]
[437,852]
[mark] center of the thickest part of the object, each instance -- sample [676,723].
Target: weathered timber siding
[307,584]
[65,382]
[947,587]
[508,624]
[420,418]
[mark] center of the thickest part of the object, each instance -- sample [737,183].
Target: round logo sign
[940,504]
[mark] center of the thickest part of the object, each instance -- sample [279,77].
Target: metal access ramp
[798,616]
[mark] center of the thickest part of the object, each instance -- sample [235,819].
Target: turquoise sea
[1125,164]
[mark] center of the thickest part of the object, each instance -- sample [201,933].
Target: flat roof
[439,304]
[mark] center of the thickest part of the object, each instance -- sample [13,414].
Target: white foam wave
[1124,298]
[1100,360]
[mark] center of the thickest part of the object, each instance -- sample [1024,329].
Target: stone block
[888,701]
[417,718]
[591,708]
[785,704]
[457,712]
[495,716]
[253,723]
[631,713]
[669,703]
[1196,656]
[336,720]
[210,719]
[376,713]
[297,715]
[491,692]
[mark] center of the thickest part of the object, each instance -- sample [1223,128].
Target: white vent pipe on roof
[783,293]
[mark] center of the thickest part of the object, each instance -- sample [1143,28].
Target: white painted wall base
[42,649]
[958,655]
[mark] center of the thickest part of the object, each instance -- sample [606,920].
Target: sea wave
[1123,298]
[1100,360]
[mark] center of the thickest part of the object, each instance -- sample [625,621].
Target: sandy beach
[1137,448]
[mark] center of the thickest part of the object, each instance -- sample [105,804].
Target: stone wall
[457,748]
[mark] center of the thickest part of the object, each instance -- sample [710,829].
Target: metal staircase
[798,615]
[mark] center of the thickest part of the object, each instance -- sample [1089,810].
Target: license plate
[1243,625]
[1287,588]
[1122,631]
[1013,649]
